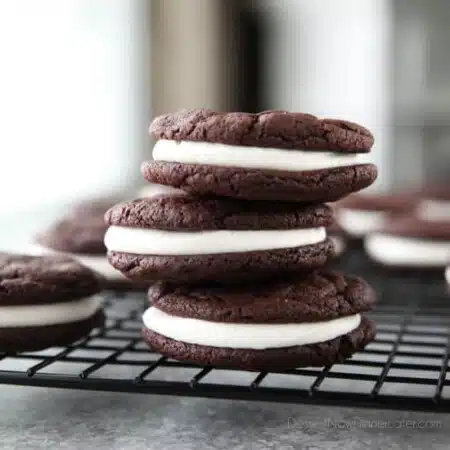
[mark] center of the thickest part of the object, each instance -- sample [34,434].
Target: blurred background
[80,81]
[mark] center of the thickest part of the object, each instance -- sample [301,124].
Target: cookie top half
[29,280]
[76,233]
[316,296]
[276,129]
[415,227]
[395,203]
[188,213]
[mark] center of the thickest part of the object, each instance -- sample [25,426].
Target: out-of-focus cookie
[410,242]
[361,214]
[46,301]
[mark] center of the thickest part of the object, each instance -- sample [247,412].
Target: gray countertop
[33,418]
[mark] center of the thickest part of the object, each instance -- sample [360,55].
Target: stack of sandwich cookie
[80,235]
[307,320]
[190,239]
[239,242]
[46,301]
[273,155]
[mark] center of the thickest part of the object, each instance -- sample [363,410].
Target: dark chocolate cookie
[392,204]
[436,191]
[321,354]
[181,220]
[272,155]
[316,296]
[414,227]
[27,280]
[76,234]
[411,245]
[195,214]
[95,207]
[324,185]
[277,129]
[223,267]
[31,339]
[80,235]
[46,301]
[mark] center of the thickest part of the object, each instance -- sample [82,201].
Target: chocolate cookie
[278,129]
[322,354]
[315,296]
[46,301]
[26,280]
[95,207]
[72,234]
[411,243]
[183,238]
[273,155]
[312,319]
[187,213]
[360,214]
[394,203]
[80,235]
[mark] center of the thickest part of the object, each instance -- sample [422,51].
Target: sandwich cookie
[309,320]
[46,301]
[188,239]
[435,203]
[410,242]
[361,214]
[80,235]
[272,155]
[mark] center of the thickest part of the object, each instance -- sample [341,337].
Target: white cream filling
[153,190]
[434,210]
[161,242]
[244,335]
[358,223]
[408,252]
[50,314]
[98,264]
[447,274]
[213,154]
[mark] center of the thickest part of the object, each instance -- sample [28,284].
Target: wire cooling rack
[404,368]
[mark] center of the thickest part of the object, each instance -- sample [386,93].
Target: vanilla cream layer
[98,264]
[434,210]
[244,335]
[155,190]
[161,242]
[408,252]
[50,314]
[358,223]
[213,154]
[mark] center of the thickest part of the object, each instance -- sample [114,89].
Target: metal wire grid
[404,368]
